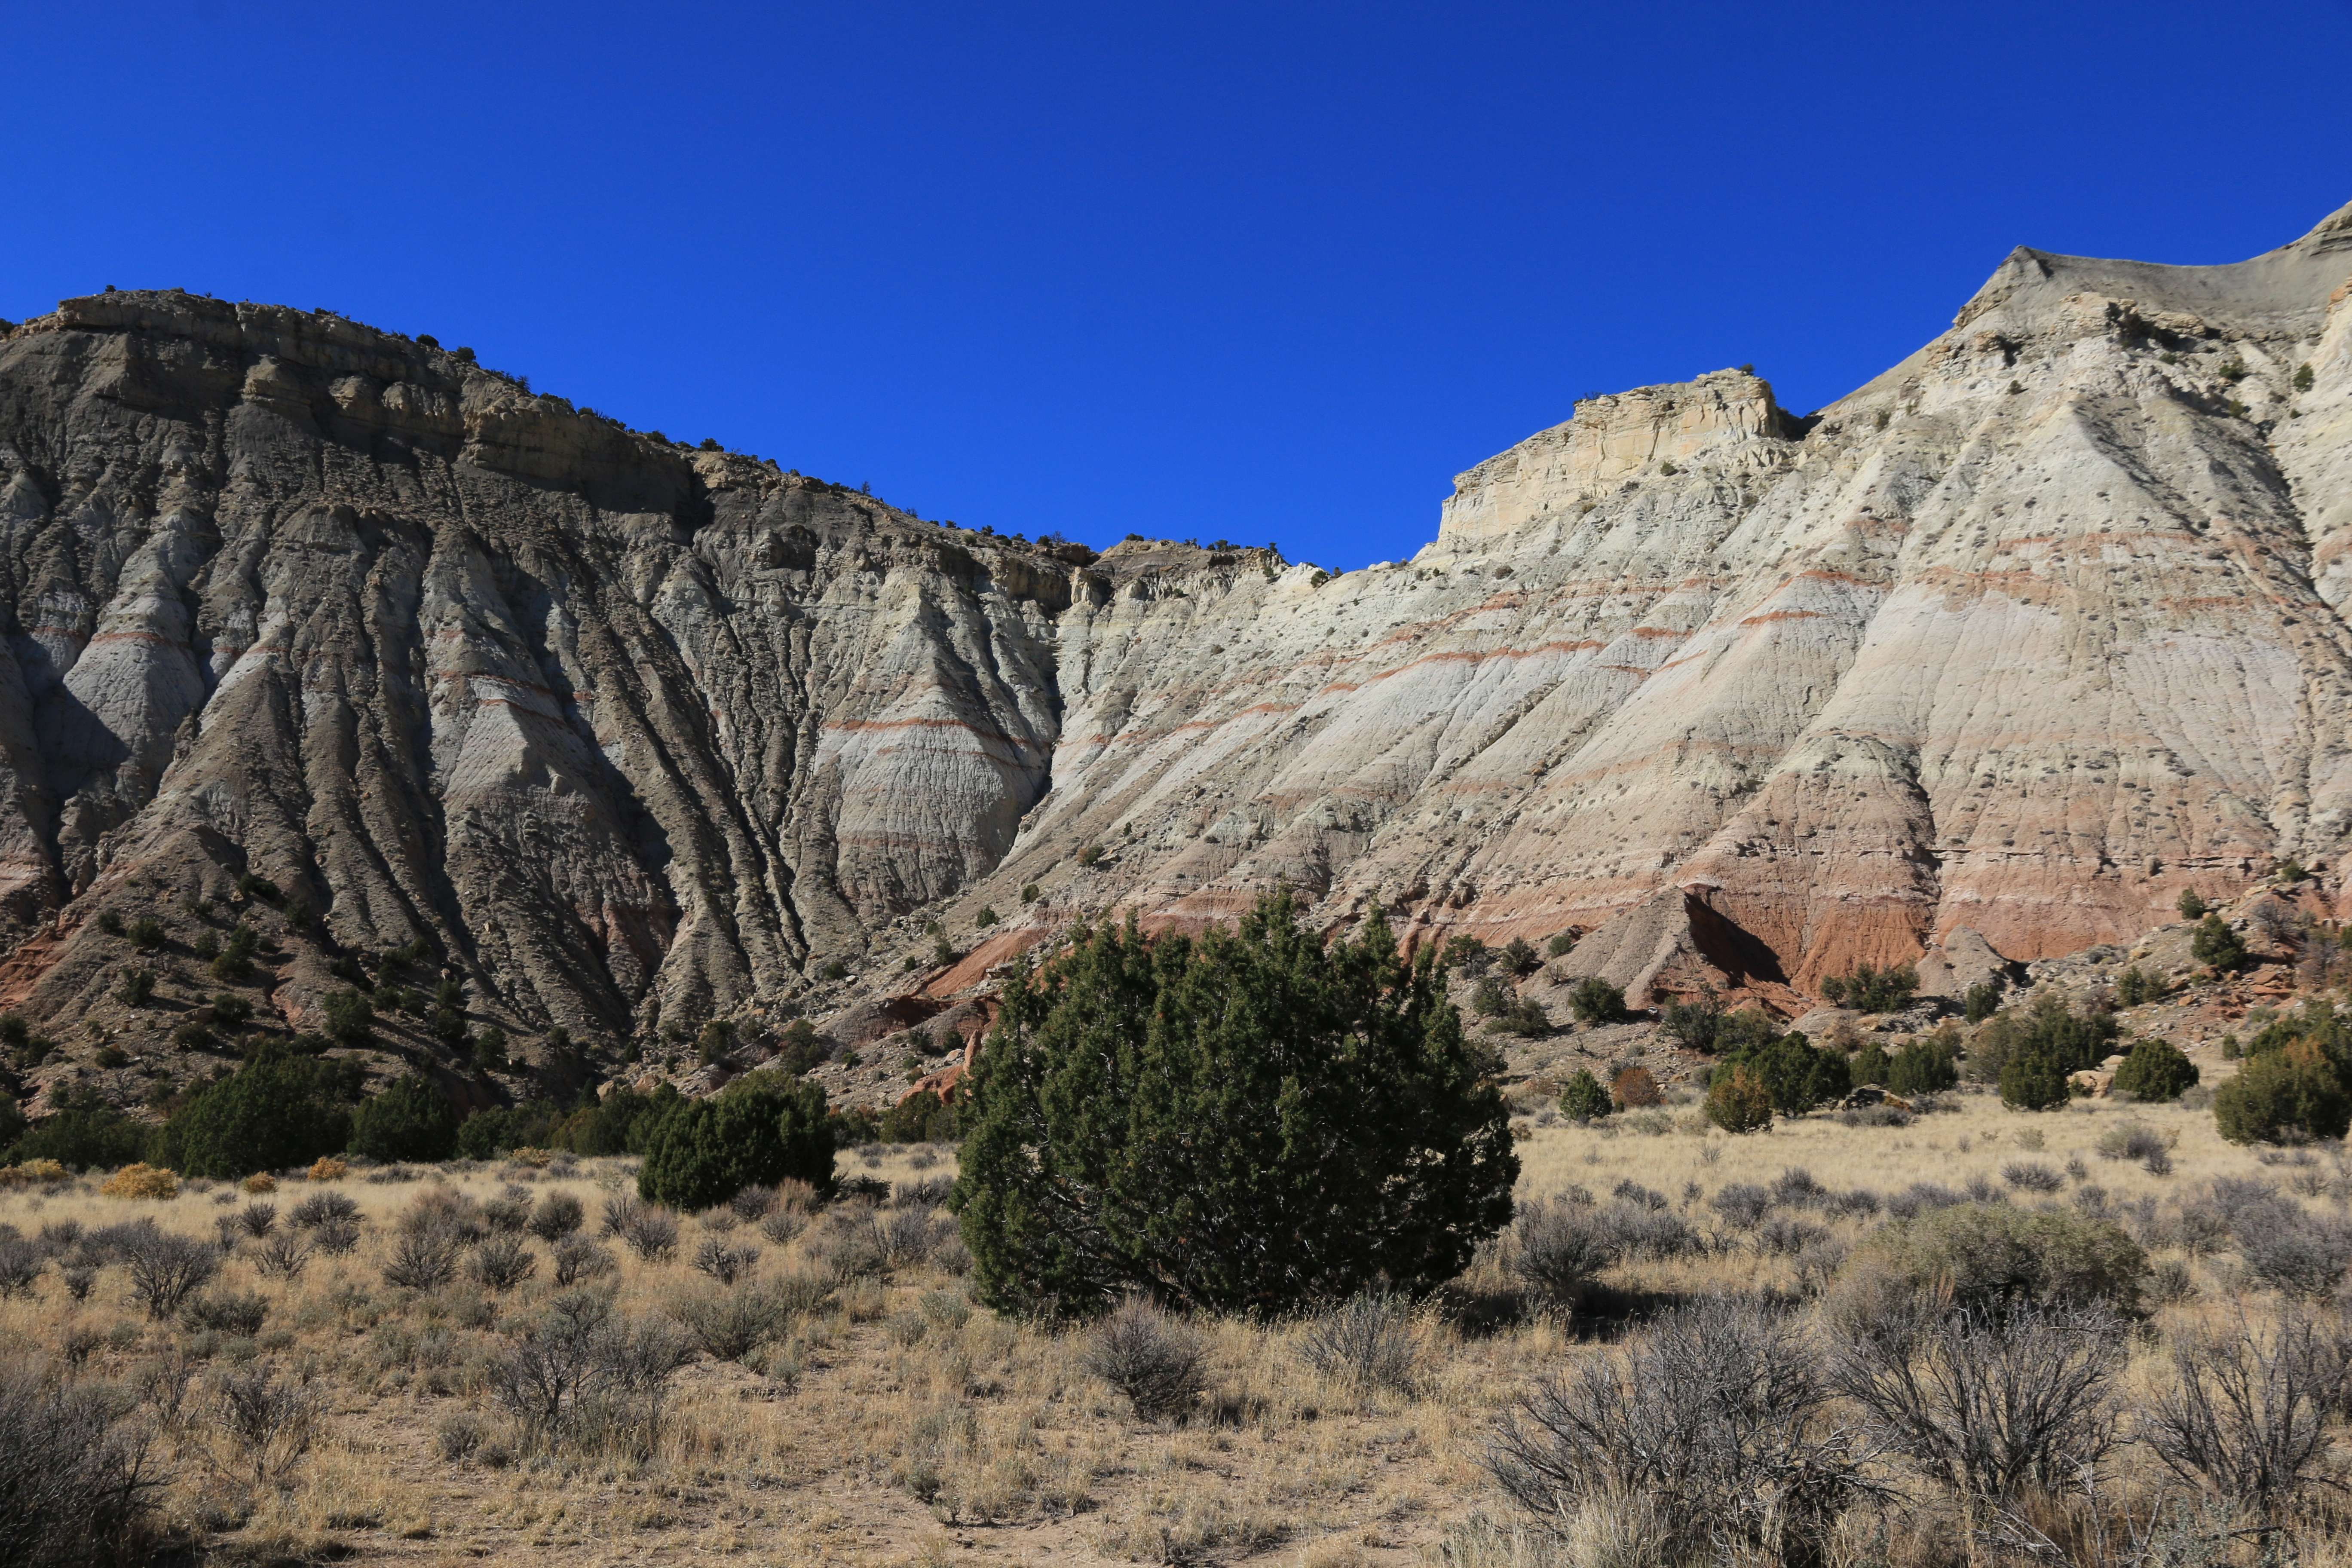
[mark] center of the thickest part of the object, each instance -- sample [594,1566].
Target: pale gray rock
[1994,656]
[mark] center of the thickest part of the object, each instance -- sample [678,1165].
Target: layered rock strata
[2024,638]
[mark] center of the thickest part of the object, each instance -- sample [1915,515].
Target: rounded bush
[1593,1000]
[2032,1079]
[760,1131]
[1584,1100]
[2289,1094]
[1923,1066]
[413,1120]
[1989,1254]
[1245,1120]
[1737,1100]
[1635,1089]
[275,1112]
[2156,1069]
[2216,944]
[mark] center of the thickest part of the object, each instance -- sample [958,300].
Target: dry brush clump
[1720,1420]
[850,1372]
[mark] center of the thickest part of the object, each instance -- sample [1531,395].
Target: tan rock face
[1727,416]
[2028,633]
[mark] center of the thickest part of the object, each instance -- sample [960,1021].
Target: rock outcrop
[2024,638]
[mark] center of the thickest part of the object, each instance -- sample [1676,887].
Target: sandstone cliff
[2022,637]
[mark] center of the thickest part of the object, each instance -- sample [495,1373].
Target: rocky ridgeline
[1989,661]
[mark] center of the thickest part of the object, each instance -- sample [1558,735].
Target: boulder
[1959,960]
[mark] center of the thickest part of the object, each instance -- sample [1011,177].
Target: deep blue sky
[1259,271]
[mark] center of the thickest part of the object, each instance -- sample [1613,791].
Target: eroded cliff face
[620,730]
[2024,636]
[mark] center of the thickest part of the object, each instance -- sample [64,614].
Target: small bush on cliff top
[1248,1120]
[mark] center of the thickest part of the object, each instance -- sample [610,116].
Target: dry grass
[895,1422]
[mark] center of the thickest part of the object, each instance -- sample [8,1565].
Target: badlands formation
[1986,661]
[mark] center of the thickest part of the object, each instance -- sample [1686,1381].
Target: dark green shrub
[257,886]
[1523,1017]
[1796,1074]
[1871,990]
[2074,1041]
[801,1047]
[2156,1069]
[2316,1020]
[1245,1120]
[1029,891]
[1488,998]
[1561,945]
[2032,1079]
[1466,954]
[350,1017]
[716,1043]
[2216,945]
[1738,1101]
[1983,1002]
[109,921]
[762,1129]
[491,1049]
[924,1118]
[1870,1065]
[1584,1100]
[986,918]
[411,1120]
[2304,378]
[234,964]
[1593,1000]
[2135,987]
[1694,1024]
[2190,906]
[493,1132]
[276,1112]
[231,1011]
[1520,958]
[146,933]
[2288,1095]
[1923,1066]
[136,987]
[84,1133]
[623,1122]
